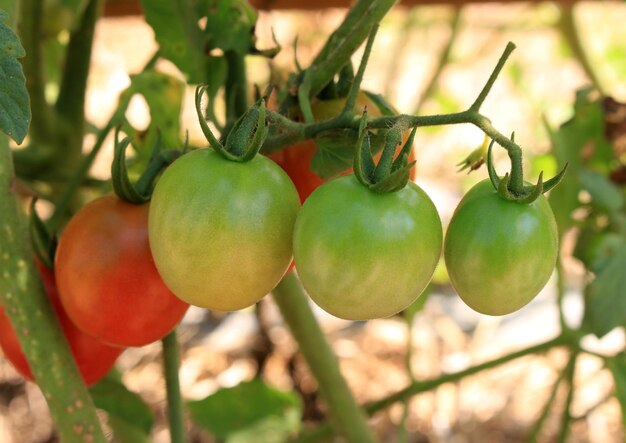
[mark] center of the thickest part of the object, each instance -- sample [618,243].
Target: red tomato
[93,358]
[108,283]
[295,159]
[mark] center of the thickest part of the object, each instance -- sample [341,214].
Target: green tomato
[363,255]
[220,231]
[500,253]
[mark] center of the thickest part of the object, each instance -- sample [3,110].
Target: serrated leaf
[14,101]
[122,405]
[175,25]
[617,366]
[230,26]
[604,194]
[605,304]
[254,403]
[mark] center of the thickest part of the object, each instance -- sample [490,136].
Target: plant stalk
[35,323]
[347,417]
[235,88]
[29,27]
[171,364]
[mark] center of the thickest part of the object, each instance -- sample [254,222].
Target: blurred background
[427,59]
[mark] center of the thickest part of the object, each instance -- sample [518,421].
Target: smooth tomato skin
[220,231]
[93,358]
[295,160]
[499,254]
[362,255]
[108,283]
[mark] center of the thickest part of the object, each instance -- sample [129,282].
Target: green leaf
[14,102]
[580,142]
[127,432]
[237,413]
[595,248]
[604,194]
[175,25]
[164,95]
[122,405]
[335,152]
[617,366]
[605,304]
[230,26]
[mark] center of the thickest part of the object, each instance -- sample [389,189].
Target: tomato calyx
[390,174]
[245,138]
[528,193]
[140,191]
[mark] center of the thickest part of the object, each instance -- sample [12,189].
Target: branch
[418,387]
[71,102]
[347,418]
[30,25]
[171,363]
[37,328]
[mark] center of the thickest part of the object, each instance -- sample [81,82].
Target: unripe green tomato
[220,231]
[364,255]
[499,253]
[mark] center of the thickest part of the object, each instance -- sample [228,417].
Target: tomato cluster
[221,231]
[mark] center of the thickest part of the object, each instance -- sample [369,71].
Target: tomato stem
[33,319]
[171,364]
[347,418]
[510,47]
[567,414]
[420,386]
[356,83]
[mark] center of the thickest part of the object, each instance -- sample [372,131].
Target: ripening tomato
[500,253]
[363,255]
[296,159]
[108,283]
[93,358]
[220,231]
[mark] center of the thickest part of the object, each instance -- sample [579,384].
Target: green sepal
[493,175]
[43,242]
[364,166]
[533,191]
[214,142]
[550,184]
[141,191]
[394,181]
[248,134]
[403,156]
[530,192]
[503,187]
[389,175]
[122,185]
[393,138]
